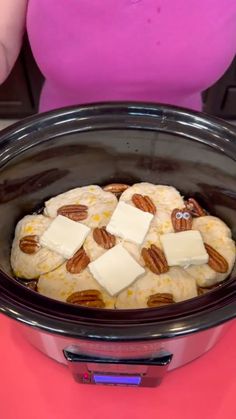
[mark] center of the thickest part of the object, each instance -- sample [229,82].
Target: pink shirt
[146,50]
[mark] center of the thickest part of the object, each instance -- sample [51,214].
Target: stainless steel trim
[184,349]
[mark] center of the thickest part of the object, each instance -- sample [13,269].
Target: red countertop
[35,387]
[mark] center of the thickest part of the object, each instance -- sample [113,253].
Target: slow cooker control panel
[118,372]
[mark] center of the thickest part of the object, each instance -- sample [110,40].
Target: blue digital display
[117,379]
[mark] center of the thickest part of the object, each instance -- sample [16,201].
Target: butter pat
[64,236]
[184,248]
[129,223]
[115,270]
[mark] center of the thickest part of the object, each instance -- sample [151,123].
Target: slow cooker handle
[147,372]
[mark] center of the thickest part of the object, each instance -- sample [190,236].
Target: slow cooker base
[180,350]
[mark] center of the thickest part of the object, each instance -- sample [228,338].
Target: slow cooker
[50,153]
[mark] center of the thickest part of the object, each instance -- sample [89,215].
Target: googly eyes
[184,215]
[179,215]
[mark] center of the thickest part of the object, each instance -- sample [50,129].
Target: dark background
[19,95]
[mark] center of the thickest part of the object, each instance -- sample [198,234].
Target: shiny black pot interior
[51,153]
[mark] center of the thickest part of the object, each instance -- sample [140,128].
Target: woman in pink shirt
[134,50]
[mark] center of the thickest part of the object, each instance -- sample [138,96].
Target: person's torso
[93,50]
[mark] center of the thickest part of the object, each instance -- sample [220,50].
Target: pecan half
[158,300]
[155,260]
[216,261]
[116,188]
[78,262]
[29,244]
[194,208]
[88,298]
[74,212]
[103,238]
[181,219]
[144,203]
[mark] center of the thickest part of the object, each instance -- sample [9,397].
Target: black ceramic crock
[50,153]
